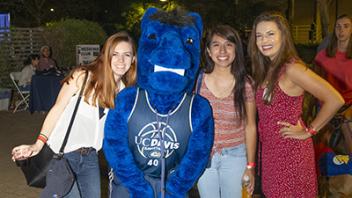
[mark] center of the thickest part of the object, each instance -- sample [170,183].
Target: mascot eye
[189,41]
[152,36]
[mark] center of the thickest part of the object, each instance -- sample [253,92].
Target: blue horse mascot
[158,138]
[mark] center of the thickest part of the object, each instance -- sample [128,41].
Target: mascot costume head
[159,136]
[169,51]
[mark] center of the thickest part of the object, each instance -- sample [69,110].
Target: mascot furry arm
[168,61]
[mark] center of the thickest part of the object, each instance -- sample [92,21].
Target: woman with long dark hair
[228,88]
[281,78]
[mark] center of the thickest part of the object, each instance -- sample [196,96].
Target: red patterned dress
[288,165]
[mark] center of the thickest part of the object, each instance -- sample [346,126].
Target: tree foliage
[238,13]
[64,35]
[25,12]
[135,12]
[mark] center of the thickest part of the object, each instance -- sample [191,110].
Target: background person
[45,61]
[336,60]
[108,74]
[281,78]
[25,78]
[335,64]
[228,88]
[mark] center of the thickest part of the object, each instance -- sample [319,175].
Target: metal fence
[303,34]
[16,44]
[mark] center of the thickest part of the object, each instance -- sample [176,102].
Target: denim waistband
[226,151]
[85,150]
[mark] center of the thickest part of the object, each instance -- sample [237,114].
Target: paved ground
[19,128]
[22,128]
[15,129]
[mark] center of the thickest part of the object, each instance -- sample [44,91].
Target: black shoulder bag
[47,167]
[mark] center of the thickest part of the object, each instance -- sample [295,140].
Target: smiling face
[343,29]
[122,58]
[268,39]
[221,51]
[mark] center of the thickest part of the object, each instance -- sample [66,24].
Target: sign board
[4,24]
[4,20]
[85,54]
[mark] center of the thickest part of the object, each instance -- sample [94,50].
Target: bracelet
[250,165]
[42,138]
[311,131]
[42,134]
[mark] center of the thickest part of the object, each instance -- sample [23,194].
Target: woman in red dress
[281,78]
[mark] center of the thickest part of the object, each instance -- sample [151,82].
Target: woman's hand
[24,151]
[297,131]
[251,174]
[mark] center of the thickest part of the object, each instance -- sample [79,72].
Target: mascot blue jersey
[168,62]
[146,128]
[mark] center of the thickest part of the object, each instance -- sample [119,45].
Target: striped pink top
[229,130]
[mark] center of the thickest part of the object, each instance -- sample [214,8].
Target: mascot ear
[198,22]
[150,11]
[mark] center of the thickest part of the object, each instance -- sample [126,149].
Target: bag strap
[61,152]
[199,82]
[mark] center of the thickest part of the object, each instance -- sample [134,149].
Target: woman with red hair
[114,69]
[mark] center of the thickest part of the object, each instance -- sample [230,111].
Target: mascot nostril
[159,137]
[172,44]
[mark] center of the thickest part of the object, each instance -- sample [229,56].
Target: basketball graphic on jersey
[148,140]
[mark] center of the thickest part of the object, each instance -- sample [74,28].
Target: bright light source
[163,0]
[52,10]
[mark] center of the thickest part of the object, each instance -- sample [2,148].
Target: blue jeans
[223,178]
[87,174]
[117,190]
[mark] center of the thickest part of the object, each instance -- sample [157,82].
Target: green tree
[35,9]
[238,13]
[25,10]
[135,12]
[64,35]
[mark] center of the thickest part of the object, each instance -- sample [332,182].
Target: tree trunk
[323,7]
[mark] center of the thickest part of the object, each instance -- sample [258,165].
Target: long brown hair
[101,82]
[262,67]
[238,69]
[332,46]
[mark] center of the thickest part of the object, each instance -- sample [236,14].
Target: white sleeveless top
[87,129]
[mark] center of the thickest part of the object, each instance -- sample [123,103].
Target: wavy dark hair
[238,69]
[262,67]
[30,58]
[177,17]
[332,46]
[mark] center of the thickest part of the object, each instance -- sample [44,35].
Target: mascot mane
[176,17]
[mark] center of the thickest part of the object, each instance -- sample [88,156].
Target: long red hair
[101,82]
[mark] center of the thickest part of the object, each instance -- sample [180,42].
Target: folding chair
[24,94]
